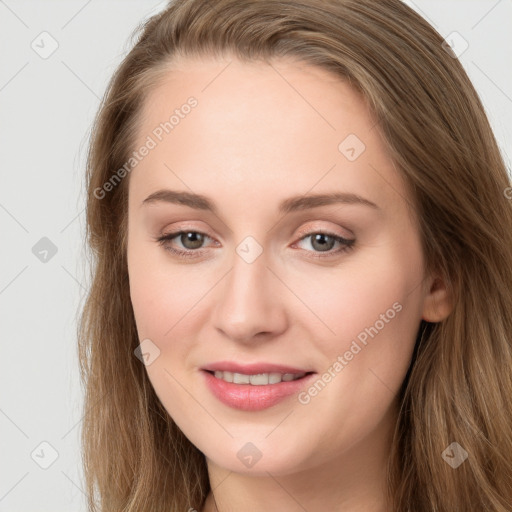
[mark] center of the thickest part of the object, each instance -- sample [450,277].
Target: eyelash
[347,244]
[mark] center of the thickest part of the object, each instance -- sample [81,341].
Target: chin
[258,458]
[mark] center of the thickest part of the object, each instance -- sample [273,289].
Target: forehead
[274,129]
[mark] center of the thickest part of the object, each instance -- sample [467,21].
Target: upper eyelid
[301,233]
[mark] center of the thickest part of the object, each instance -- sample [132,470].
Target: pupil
[322,246]
[195,238]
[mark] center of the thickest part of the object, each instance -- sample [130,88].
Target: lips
[254,368]
[247,397]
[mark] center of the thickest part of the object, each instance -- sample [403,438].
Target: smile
[259,379]
[254,392]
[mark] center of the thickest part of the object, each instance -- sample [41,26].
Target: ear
[438,303]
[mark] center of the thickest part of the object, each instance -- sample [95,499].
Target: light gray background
[47,107]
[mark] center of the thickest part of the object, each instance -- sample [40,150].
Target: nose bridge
[247,302]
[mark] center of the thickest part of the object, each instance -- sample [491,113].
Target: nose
[250,302]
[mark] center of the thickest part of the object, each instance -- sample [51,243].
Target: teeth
[259,379]
[239,378]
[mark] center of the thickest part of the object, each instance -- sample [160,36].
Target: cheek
[160,305]
[161,293]
[370,311]
[169,307]
[347,300]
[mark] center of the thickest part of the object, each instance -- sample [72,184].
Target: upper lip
[253,368]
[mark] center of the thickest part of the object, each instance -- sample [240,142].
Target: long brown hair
[459,385]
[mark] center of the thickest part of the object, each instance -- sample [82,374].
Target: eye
[192,241]
[323,242]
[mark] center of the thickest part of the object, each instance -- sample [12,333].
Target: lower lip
[247,397]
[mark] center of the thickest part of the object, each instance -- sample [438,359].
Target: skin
[260,134]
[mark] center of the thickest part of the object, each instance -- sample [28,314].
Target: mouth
[254,390]
[257,379]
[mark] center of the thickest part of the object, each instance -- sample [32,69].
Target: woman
[302,283]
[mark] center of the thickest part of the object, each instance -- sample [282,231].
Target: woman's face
[259,276]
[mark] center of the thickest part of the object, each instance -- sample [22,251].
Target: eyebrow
[292,204]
